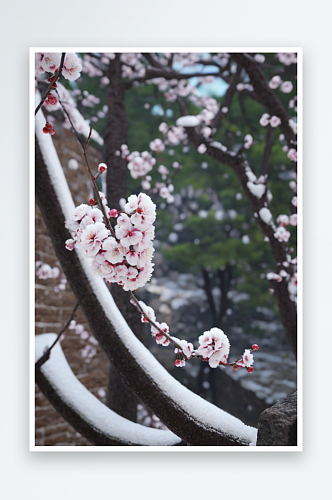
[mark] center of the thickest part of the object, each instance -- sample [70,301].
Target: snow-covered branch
[196,421]
[89,416]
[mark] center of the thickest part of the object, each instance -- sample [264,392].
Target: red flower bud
[235,367]
[52,131]
[255,347]
[45,130]
[250,369]
[91,202]
[113,212]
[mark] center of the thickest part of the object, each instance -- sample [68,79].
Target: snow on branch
[89,414]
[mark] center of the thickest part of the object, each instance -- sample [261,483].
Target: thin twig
[93,178]
[51,84]
[47,353]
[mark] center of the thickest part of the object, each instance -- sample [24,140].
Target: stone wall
[53,309]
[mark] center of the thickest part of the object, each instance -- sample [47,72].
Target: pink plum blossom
[282,234]
[292,154]
[157,146]
[283,220]
[286,87]
[214,346]
[92,237]
[275,121]
[275,82]
[265,120]
[72,67]
[202,148]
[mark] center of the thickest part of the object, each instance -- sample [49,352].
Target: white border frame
[32,446]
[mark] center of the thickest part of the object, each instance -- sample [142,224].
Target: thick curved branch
[194,420]
[265,95]
[89,416]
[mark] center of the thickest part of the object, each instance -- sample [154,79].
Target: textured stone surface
[53,309]
[277,426]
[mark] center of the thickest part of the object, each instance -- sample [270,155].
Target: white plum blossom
[275,82]
[126,257]
[45,271]
[293,220]
[265,119]
[71,67]
[259,58]
[214,346]
[163,127]
[248,140]
[292,154]
[51,61]
[247,359]
[282,234]
[80,212]
[275,121]
[187,348]
[157,146]
[148,311]
[163,170]
[128,235]
[92,237]
[286,87]
[202,148]
[283,220]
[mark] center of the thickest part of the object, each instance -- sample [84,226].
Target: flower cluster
[213,347]
[285,87]
[50,62]
[139,164]
[283,220]
[44,271]
[247,360]
[124,258]
[88,351]
[274,121]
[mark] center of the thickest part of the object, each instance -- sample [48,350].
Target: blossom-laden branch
[101,168]
[126,260]
[47,353]
[52,84]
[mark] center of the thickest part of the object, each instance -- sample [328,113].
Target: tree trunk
[119,397]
